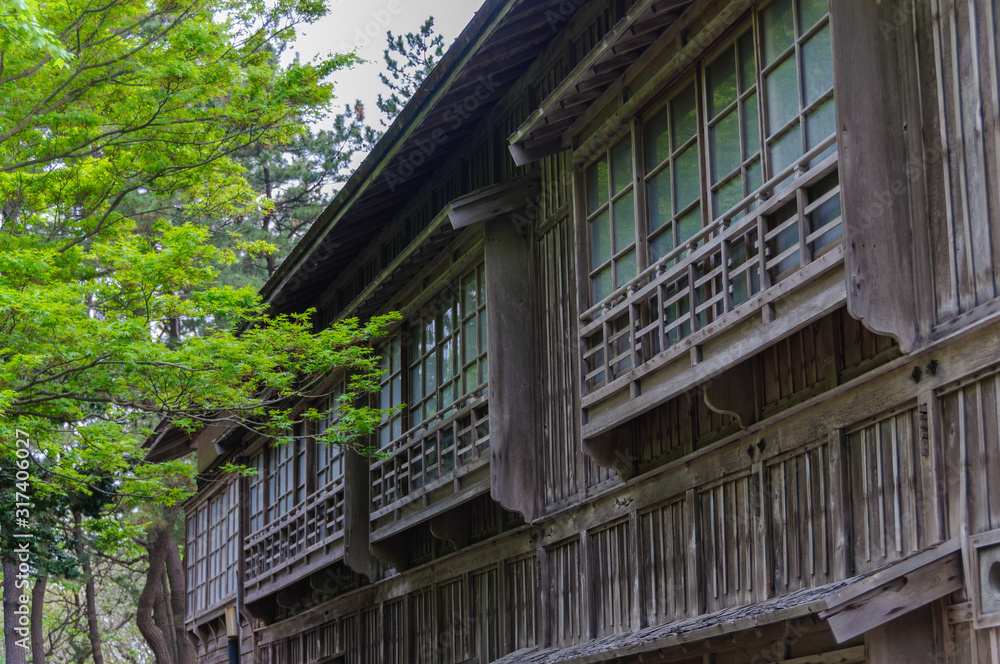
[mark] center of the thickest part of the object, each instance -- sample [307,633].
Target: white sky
[361,25]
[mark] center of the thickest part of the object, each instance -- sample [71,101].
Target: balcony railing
[431,455]
[307,527]
[710,281]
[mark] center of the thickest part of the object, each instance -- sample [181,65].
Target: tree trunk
[37,614]
[14,647]
[178,595]
[162,614]
[93,629]
[148,599]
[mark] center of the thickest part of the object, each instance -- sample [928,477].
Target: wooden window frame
[706,205]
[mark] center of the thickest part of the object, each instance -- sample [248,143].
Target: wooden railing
[432,454]
[307,527]
[702,284]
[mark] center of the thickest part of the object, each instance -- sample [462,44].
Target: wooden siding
[613,573]
[728,513]
[963,159]
[665,548]
[971,430]
[884,488]
[566,594]
[801,520]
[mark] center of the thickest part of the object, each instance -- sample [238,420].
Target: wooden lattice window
[447,353]
[766,99]
[391,390]
[329,457]
[211,555]
[257,488]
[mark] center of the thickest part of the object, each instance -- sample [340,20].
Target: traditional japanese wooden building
[700,354]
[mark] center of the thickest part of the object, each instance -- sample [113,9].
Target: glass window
[211,559]
[756,106]
[673,203]
[329,456]
[285,462]
[444,357]
[611,220]
[391,391]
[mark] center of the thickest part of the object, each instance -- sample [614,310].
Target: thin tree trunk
[178,594]
[162,614]
[16,652]
[93,628]
[148,599]
[37,614]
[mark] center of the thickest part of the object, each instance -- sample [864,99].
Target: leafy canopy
[118,156]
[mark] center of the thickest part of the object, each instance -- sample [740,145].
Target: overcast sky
[361,26]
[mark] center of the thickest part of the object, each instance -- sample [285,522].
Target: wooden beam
[493,201]
[899,589]
[876,111]
[357,505]
[514,431]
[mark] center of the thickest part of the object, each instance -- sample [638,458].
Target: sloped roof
[494,50]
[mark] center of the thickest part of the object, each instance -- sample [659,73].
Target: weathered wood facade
[700,353]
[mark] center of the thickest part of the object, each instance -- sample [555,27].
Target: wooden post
[877,112]
[514,448]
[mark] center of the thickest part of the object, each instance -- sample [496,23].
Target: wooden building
[700,354]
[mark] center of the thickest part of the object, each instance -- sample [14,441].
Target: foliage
[408,60]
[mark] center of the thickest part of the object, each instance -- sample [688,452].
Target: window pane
[446,361]
[754,180]
[748,63]
[482,332]
[397,350]
[817,65]
[470,338]
[656,146]
[621,160]
[601,283]
[597,185]
[751,126]
[782,95]
[430,373]
[689,224]
[810,12]
[661,245]
[728,195]
[721,82]
[600,240]
[786,149]
[416,385]
[624,222]
[430,338]
[725,144]
[625,269]
[688,182]
[446,322]
[658,193]
[779,30]
[469,294]
[821,123]
[684,116]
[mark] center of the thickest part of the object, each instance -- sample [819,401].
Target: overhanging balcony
[432,467]
[777,254]
[298,543]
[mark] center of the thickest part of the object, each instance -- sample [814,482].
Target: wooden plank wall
[971,429]
[801,518]
[963,152]
[567,472]
[728,511]
[885,491]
